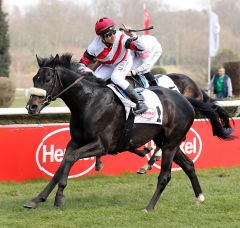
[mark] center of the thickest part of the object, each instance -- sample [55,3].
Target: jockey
[112,49]
[147,58]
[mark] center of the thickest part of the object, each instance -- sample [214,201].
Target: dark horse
[187,88]
[97,123]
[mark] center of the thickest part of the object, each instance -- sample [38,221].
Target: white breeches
[116,72]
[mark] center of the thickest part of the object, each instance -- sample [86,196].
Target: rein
[48,99]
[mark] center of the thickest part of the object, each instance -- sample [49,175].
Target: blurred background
[55,26]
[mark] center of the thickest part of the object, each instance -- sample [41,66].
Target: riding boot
[151,79]
[141,107]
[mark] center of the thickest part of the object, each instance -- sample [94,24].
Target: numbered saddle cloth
[166,82]
[153,115]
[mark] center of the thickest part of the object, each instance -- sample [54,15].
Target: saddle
[153,115]
[161,79]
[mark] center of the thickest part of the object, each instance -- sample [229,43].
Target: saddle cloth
[154,114]
[166,82]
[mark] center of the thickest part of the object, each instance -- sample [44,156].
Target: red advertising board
[35,151]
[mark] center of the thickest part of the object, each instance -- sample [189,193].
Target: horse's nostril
[33,107]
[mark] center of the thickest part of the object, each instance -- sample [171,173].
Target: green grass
[101,201]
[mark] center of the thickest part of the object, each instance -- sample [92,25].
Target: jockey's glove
[83,68]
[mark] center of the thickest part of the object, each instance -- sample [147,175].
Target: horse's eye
[48,76]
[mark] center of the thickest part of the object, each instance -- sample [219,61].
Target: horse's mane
[66,61]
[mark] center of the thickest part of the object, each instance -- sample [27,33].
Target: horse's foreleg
[188,167]
[33,203]
[59,197]
[164,176]
[89,150]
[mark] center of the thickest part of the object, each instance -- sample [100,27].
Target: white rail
[62,110]
[22,111]
[229,103]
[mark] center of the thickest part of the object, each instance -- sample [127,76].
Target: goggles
[108,32]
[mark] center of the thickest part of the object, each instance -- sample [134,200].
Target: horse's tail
[206,98]
[225,118]
[206,110]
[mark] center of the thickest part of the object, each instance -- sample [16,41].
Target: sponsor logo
[149,114]
[192,147]
[50,152]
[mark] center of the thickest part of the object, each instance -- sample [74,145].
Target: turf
[103,201]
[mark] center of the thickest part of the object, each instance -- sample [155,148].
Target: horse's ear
[39,60]
[55,61]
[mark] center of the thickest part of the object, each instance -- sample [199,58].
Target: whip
[138,30]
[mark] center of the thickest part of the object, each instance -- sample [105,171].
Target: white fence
[21,111]
[62,110]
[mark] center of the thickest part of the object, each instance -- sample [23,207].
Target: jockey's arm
[86,62]
[87,58]
[133,42]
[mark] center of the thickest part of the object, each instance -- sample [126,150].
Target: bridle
[56,80]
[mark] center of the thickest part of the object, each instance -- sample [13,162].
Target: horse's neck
[80,93]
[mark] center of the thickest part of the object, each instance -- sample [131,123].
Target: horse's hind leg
[99,164]
[224,116]
[33,203]
[188,167]
[164,176]
[155,157]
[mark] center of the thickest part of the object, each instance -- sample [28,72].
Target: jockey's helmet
[103,24]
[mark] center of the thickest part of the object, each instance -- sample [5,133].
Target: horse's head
[45,85]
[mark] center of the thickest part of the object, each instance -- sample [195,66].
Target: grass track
[100,201]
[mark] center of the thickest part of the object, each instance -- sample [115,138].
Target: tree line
[56,26]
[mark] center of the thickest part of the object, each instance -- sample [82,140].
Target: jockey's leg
[104,72]
[118,77]
[136,98]
[149,76]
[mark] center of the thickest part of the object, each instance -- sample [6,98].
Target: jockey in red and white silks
[116,61]
[147,58]
[115,51]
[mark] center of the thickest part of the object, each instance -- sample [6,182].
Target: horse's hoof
[98,166]
[200,199]
[148,209]
[141,171]
[59,201]
[148,149]
[158,158]
[228,131]
[149,167]
[30,205]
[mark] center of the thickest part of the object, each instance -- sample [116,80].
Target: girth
[126,135]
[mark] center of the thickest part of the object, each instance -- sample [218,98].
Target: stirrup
[140,110]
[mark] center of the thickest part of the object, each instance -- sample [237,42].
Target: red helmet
[103,24]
